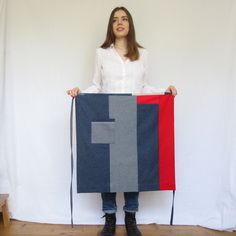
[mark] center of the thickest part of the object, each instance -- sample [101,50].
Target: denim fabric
[125,143]
[109,202]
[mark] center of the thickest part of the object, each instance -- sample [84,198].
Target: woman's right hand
[73,92]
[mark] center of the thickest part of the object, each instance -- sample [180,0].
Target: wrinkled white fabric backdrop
[49,46]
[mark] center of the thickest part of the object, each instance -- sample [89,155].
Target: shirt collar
[113,47]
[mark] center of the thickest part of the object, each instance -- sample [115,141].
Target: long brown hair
[132,45]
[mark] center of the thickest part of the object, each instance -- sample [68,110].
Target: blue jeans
[109,202]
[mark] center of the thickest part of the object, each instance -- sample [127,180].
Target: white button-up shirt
[114,75]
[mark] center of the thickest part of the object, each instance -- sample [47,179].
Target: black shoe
[109,228]
[130,225]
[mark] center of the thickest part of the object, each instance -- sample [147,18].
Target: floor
[21,228]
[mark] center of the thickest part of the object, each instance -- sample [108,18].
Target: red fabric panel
[166,137]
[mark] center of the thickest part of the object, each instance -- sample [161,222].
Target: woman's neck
[121,43]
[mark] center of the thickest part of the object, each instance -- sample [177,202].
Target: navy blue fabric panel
[148,160]
[92,159]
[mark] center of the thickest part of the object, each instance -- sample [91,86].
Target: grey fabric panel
[123,154]
[103,132]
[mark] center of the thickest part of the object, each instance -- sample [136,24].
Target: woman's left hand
[171,89]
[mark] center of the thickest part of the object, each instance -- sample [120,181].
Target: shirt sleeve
[97,77]
[147,88]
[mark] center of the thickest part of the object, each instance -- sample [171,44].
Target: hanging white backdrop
[50,47]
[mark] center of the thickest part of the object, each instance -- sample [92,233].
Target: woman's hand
[171,89]
[73,92]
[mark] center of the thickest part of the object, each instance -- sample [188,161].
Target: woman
[120,67]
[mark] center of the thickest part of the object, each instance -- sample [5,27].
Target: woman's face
[120,24]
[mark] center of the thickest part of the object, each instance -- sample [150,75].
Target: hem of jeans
[130,210]
[109,211]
